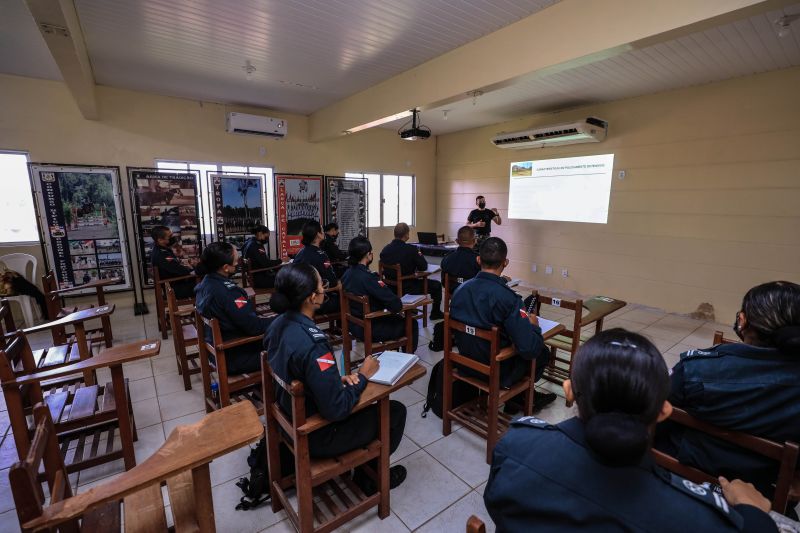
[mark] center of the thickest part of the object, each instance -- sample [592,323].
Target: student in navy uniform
[462,264]
[329,246]
[310,253]
[753,387]
[298,350]
[256,251]
[411,260]
[360,281]
[486,301]
[481,219]
[595,472]
[219,297]
[169,266]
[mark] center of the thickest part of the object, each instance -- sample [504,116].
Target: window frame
[13,244]
[382,203]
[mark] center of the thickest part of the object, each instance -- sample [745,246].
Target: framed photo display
[299,200]
[346,204]
[82,223]
[237,205]
[166,198]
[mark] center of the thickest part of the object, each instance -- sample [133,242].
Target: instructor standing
[481,219]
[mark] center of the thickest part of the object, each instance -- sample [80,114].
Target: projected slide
[573,189]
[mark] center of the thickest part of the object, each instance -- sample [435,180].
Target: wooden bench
[87,416]
[56,309]
[184,336]
[181,463]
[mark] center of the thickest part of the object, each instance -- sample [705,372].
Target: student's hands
[507,278]
[369,367]
[534,320]
[737,492]
[351,379]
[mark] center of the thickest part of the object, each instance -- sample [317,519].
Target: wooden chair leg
[125,432]
[204,504]
[527,409]
[491,423]
[383,467]
[107,336]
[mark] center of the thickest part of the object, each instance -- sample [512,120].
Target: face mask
[263,241]
[481,204]
[736,328]
[172,241]
[334,238]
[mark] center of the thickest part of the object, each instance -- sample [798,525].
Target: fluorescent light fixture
[374,123]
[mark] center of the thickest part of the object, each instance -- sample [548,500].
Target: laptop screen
[427,237]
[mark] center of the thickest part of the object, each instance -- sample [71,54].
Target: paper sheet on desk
[547,325]
[392,367]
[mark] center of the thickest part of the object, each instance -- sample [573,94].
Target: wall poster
[299,199]
[237,204]
[166,198]
[81,219]
[346,204]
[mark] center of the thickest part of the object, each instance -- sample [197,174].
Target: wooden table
[600,307]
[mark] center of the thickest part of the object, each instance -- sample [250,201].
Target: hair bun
[278,302]
[787,339]
[619,439]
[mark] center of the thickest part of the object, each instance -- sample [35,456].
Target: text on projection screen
[573,189]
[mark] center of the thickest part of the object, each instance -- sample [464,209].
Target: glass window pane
[17,218]
[269,193]
[389,200]
[406,199]
[374,199]
[205,206]
[233,168]
[171,165]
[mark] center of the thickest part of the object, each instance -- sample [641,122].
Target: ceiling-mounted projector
[415,132]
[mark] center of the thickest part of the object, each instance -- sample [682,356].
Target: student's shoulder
[697,355]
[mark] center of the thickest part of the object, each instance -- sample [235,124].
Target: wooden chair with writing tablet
[57,308]
[184,336]
[392,276]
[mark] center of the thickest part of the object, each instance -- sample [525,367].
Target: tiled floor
[446,475]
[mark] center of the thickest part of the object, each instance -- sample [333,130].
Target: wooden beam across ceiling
[58,22]
[565,35]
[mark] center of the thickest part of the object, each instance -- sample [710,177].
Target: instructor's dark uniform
[299,350]
[460,266]
[740,387]
[411,260]
[169,266]
[481,215]
[318,259]
[219,297]
[258,257]
[545,478]
[487,301]
[360,281]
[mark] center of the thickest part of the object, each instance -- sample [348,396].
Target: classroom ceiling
[309,54]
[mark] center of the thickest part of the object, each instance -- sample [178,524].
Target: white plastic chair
[20,263]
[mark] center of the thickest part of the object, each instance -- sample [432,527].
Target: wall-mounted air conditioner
[590,130]
[255,125]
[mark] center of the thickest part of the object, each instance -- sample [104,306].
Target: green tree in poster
[242,187]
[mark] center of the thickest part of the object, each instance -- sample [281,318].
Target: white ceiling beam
[565,35]
[58,22]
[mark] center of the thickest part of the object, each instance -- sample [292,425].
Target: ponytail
[787,339]
[618,438]
[293,284]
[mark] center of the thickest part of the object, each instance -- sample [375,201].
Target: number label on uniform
[470,330]
[460,280]
[556,302]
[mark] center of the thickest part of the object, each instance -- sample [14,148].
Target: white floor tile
[370,522]
[9,523]
[226,497]
[407,395]
[142,389]
[423,431]
[181,403]
[169,382]
[454,518]
[406,448]
[146,413]
[137,370]
[463,453]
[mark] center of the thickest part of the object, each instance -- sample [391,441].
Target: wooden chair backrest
[6,321]
[52,301]
[785,454]
[174,318]
[719,338]
[23,476]
[576,306]
[349,301]
[392,276]
[288,422]
[215,347]
[492,336]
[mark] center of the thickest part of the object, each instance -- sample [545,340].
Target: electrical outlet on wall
[548,269]
[564,273]
[534,268]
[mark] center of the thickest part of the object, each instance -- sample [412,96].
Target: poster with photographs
[346,204]
[80,215]
[165,198]
[299,199]
[237,201]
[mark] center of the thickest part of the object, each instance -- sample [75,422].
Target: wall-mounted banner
[346,204]
[166,198]
[299,201]
[237,203]
[80,219]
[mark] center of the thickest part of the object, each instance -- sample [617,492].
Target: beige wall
[710,205]
[136,128]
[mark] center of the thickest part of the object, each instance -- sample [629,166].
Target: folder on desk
[392,367]
[411,299]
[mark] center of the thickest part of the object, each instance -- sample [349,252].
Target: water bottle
[215,391]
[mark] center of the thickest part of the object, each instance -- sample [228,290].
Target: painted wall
[708,207]
[136,128]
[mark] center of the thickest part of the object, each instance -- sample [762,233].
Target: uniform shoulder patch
[706,494]
[230,284]
[532,421]
[326,361]
[240,302]
[316,334]
[699,353]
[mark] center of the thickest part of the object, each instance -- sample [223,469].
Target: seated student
[298,350]
[595,472]
[330,247]
[256,252]
[168,264]
[360,281]
[486,301]
[219,297]
[462,264]
[753,387]
[310,253]
[411,260]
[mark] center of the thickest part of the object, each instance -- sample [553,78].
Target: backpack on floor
[256,486]
[462,392]
[437,344]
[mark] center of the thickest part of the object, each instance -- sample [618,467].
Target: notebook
[547,325]
[433,269]
[392,367]
[513,282]
[411,299]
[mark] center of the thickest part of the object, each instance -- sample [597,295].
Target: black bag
[462,392]
[437,344]
[258,483]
